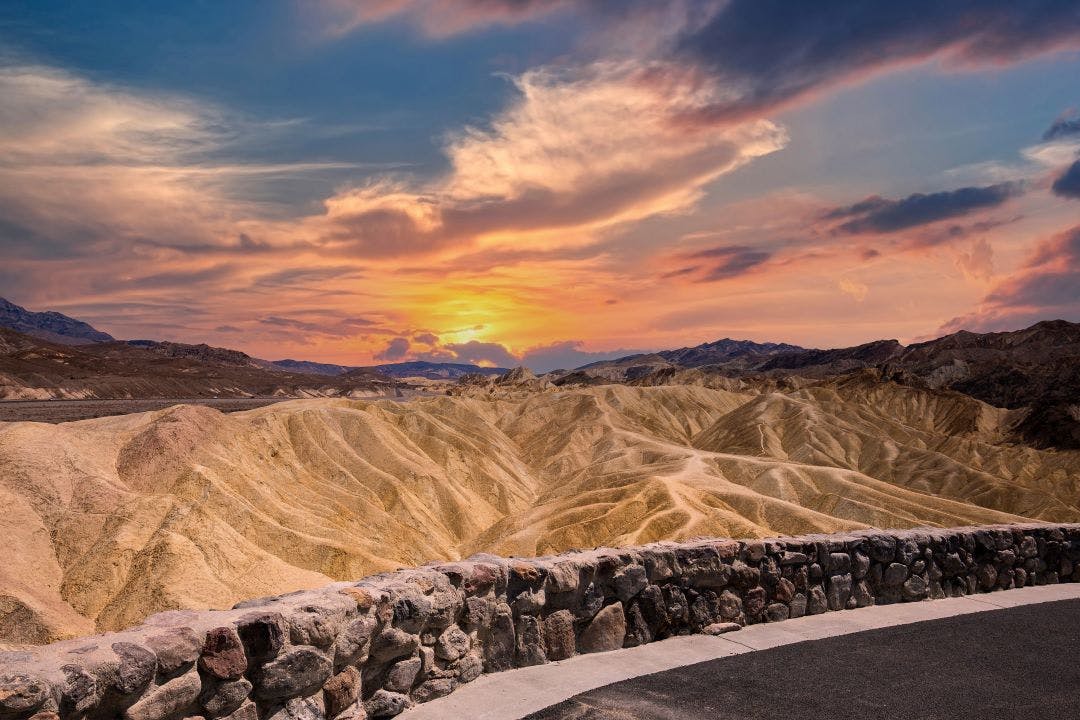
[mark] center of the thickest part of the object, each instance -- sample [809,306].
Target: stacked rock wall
[374,647]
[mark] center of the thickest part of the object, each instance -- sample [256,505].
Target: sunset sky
[540,181]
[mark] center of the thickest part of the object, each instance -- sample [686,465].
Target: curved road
[1021,663]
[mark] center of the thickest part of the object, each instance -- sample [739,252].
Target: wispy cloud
[435,18]
[881,215]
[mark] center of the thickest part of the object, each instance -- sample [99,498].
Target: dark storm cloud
[395,350]
[1068,185]
[1065,126]
[776,50]
[882,215]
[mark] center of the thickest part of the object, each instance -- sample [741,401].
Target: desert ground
[111,519]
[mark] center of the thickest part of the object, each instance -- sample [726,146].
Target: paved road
[1021,663]
[58,411]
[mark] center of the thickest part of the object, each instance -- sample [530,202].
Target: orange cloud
[435,18]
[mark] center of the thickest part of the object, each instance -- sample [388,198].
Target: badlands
[112,519]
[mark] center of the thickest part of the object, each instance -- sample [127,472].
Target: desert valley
[116,518]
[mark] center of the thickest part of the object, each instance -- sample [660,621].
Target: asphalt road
[58,411]
[1018,663]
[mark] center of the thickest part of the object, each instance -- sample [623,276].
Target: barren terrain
[109,520]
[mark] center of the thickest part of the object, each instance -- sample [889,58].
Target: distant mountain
[1037,368]
[32,368]
[312,368]
[724,350]
[720,352]
[53,326]
[200,353]
[434,370]
[61,329]
[832,362]
[415,368]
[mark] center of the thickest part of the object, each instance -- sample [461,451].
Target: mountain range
[53,326]
[1036,369]
[206,370]
[36,369]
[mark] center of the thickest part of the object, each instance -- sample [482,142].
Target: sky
[547,182]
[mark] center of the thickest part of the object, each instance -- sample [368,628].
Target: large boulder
[606,631]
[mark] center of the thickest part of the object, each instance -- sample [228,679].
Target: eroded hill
[112,519]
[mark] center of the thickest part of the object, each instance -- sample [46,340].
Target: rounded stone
[298,709]
[629,581]
[606,631]
[895,575]
[452,644]
[402,675]
[136,668]
[176,649]
[721,628]
[754,602]
[21,694]
[436,688]
[247,711]
[797,606]
[860,565]
[775,612]
[816,602]
[222,698]
[914,588]
[353,643]
[530,642]
[298,671]
[391,644]
[341,691]
[559,640]
[383,704]
[167,701]
[468,667]
[223,654]
[499,648]
[986,576]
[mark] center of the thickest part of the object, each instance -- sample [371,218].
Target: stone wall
[372,648]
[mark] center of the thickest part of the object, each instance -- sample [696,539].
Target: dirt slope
[111,519]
